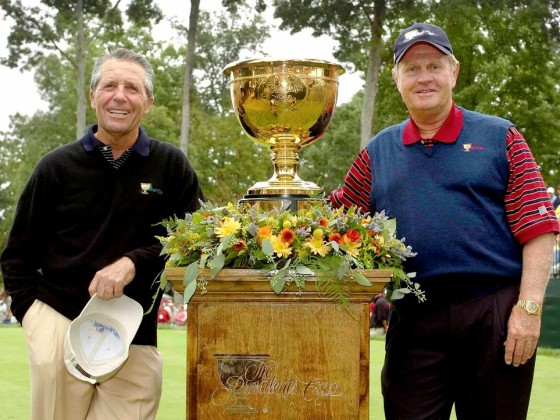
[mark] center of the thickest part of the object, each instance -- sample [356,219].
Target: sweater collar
[447,133]
[141,146]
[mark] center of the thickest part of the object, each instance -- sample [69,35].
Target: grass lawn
[14,381]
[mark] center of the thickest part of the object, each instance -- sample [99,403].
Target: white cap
[97,341]
[550,190]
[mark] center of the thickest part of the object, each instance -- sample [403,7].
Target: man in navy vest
[483,228]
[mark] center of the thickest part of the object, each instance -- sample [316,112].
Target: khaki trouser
[133,393]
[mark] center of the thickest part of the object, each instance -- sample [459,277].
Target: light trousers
[132,394]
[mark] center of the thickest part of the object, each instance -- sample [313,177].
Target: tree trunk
[81,55]
[372,76]
[187,78]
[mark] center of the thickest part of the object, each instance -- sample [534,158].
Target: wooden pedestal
[253,354]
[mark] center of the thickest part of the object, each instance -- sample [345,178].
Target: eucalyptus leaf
[342,270]
[224,244]
[191,272]
[361,279]
[391,225]
[189,291]
[277,284]
[267,247]
[399,293]
[304,270]
[217,264]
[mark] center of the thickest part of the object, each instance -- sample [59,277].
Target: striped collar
[142,145]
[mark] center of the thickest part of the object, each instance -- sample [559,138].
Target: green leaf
[399,293]
[267,247]
[304,270]
[277,284]
[342,270]
[361,279]
[191,272]
[217,264]
[224,244]
[391,225]
[189,291]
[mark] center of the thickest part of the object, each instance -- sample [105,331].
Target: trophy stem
[285,158]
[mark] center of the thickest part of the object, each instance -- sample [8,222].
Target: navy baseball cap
[421,32]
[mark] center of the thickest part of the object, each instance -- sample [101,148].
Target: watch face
[531,307]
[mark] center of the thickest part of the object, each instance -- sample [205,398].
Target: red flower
[287,236]
[324,222]
[239,246]
[353,235]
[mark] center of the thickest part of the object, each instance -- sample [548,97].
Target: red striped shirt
[529,210]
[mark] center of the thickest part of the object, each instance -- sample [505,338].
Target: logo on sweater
[147,187]
[467,147]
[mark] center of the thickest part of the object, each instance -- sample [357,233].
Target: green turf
[14,380]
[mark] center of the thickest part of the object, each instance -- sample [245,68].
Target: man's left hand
[522,336]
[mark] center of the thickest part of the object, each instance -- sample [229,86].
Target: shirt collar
[141,146]
[447,133]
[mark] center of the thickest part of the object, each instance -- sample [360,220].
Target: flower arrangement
[333,245]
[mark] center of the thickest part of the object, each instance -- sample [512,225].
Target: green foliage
[508,51]
[333,245]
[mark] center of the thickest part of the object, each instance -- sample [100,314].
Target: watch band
[531,307]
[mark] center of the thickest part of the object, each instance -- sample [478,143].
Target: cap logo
[101,328]
[415,33]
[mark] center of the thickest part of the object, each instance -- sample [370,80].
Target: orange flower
[264,232]
[335,237]
[324,222]
[287,235]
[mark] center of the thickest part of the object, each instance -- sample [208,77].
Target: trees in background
[66,30]
[508,51]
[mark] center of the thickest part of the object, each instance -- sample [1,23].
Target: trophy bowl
[284,105]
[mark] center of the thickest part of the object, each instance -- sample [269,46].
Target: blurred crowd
[172,310]
[6,316]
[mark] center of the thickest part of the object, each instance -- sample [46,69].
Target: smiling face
[425,78]
[120,101]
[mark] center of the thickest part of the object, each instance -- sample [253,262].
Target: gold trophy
[284,105]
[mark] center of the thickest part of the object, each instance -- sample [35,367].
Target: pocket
[504,301]
[29,321]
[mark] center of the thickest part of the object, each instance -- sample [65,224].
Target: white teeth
[118,111]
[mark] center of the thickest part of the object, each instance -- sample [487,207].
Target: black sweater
[77,214]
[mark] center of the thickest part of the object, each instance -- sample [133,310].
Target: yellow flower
[229,226]
[353,248]
[281,248]
[317,246]
[318,233]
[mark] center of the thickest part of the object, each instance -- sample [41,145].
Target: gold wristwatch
[531,307]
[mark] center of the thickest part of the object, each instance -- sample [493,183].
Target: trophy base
[292,202]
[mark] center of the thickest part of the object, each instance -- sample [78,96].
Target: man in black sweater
[86,223]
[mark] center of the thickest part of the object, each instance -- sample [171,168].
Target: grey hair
[122,54]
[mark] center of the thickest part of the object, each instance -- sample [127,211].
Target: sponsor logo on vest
[467,147]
